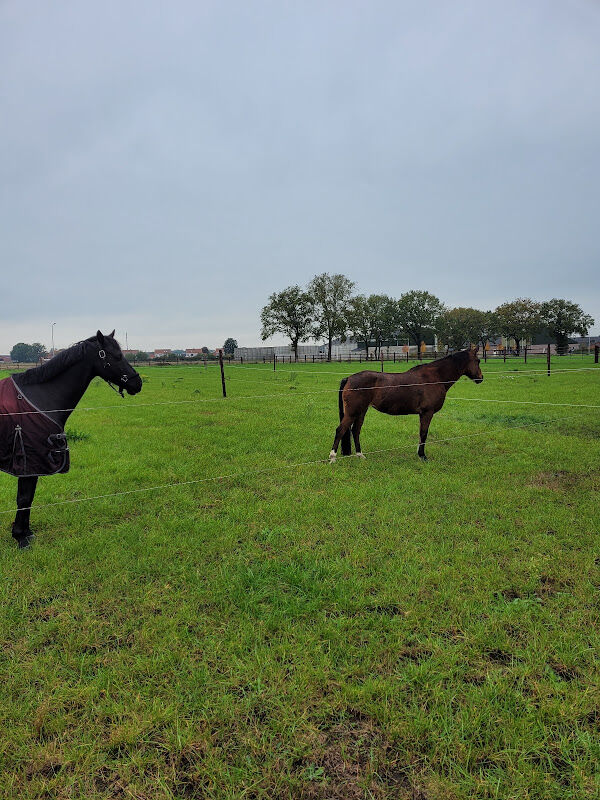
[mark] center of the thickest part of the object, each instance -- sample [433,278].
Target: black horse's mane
[57,364]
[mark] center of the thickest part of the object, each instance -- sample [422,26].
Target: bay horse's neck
[448,370]
[59,395]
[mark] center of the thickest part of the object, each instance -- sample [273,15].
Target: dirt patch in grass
[561,480]
[564,672]
[355,762]
[498,656]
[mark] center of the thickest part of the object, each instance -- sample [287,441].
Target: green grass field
[383,628]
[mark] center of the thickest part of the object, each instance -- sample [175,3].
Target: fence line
[248,473]
[282,394]
[342,372]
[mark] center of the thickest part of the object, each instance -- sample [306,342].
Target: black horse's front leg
[20,529]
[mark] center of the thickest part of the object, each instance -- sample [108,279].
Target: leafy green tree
[23,352]
[330,296]
[39,351]
[418,313]
[385,319]
[519,319]
[459,327]
[229,346]
[359,320]
[289,312]
[141,356]
[563,318]
[372,318]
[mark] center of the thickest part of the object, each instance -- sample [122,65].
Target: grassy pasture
[375,629]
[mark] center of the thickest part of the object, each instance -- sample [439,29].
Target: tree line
[329,309]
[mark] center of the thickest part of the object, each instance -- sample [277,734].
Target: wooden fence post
[548,359]
[222,373]
[274,361]
[525,352]
[381,357]
[596,349]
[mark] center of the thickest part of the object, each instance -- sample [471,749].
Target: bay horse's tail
[346,440]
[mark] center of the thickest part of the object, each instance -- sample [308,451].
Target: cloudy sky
[164,167]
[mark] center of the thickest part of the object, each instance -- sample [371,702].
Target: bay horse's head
[111,365]
[473,370]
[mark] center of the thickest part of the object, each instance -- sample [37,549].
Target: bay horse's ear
[100,337]
[474,348]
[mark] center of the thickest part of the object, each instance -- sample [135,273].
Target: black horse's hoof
[25,541]
[423,458]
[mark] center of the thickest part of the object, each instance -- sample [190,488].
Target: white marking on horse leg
[360,455]
[332,456]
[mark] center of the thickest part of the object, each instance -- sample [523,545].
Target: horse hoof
[332,457]
[423,458]
[25,541]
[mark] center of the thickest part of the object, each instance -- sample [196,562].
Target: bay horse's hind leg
[341,430]
[425,418]
[356,435]
[20,529]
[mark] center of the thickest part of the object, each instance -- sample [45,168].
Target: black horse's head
[111,365]
[473,370]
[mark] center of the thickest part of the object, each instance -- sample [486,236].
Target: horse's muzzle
[132,385]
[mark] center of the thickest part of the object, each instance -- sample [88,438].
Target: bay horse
[35,405]
[420,390]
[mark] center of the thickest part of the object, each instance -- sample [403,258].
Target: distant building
[6,359]
[161,353]
[190,352]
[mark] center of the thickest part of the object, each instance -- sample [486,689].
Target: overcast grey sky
[166,166]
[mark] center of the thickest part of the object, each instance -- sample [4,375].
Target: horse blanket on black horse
[31,443]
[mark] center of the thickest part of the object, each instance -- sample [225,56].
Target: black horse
[35,405]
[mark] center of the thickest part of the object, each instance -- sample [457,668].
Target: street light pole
[52,329]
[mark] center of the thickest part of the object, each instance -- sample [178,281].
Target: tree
[562,318]
[372,318]
[289,312]
[359,320]
[384,312]
[38,351]
[418,314]
[22,352]
[141,355]
[519,320]
[459,327]
[229,346]
[330,295]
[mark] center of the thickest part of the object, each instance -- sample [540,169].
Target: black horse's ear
[112,335]
[100,337]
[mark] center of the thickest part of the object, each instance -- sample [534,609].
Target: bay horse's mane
[56,365]
[460,356]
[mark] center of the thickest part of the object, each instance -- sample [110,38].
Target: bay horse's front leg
[20,529]
[425,418]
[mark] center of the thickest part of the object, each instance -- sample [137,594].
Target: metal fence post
[222,373]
